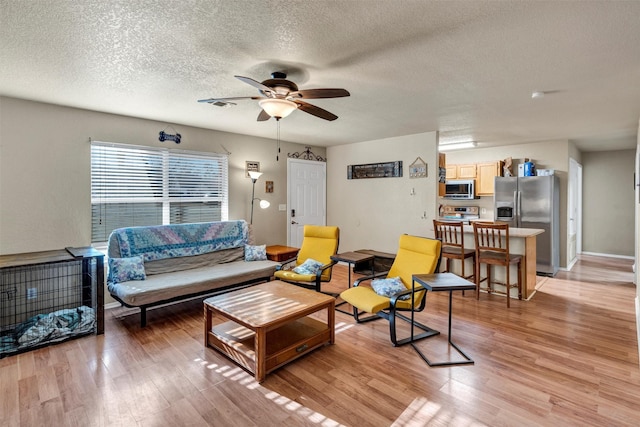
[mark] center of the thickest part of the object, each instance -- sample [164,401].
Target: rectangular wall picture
[375,170]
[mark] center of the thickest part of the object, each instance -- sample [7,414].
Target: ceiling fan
[280,97]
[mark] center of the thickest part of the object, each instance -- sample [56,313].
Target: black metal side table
[441,282]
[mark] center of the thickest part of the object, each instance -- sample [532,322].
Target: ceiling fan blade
[315,111]
[320,93]
[255,84]
[263,116]
[235,98]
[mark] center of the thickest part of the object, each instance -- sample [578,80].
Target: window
[134,186]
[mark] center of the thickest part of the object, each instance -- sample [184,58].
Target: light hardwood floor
[569,356]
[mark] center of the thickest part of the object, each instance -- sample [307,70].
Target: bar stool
[492,248]
[450,233]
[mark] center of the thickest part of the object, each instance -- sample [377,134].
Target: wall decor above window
[375,170]
[164,136]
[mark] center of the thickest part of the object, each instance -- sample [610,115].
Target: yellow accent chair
[416,255]
[319,243]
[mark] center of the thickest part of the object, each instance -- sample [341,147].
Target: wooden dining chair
[451,234]
[492,248]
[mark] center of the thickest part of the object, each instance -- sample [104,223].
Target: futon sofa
[155,265]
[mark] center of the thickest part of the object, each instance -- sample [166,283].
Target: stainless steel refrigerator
[532,202]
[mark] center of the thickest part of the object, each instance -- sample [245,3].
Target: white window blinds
[135,185]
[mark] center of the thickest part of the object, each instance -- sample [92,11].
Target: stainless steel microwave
[460,189]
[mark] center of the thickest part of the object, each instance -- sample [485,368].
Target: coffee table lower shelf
[284,344]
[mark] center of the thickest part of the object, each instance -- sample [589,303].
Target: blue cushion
[255,253]
[389,287]
[310,266]
[125,269]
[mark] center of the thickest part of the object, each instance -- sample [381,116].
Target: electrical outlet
[32,293]
[483,211]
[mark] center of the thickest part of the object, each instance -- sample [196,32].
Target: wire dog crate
[49,297]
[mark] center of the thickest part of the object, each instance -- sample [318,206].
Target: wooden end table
[268,325]
[351,258]
[281,253]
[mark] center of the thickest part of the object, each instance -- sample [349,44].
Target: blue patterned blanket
[170,241]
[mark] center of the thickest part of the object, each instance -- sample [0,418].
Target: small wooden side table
[281,253]
[351,258]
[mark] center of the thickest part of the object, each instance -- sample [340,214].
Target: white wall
[373,213]
[45,172]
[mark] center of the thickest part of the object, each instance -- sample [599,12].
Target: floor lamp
[263,203]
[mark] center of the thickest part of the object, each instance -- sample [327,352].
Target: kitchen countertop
[513,231]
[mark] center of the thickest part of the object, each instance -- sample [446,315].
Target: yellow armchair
[318,243]
[416,255]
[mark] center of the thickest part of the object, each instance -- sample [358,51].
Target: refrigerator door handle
[519,208]
[514,216]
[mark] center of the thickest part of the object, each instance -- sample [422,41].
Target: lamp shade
[264,204]
[277,108]
[254,174]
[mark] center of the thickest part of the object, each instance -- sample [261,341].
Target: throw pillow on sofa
[125,269]
[389,287]
[310,266]
[255,253]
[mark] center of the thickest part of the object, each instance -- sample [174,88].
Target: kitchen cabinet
[466,171]
[443,174]
[483,174]
[486,173]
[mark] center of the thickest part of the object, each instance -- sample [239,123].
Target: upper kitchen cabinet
[452,171]
[461,171]
[466,171]
[443,173]
[486,173]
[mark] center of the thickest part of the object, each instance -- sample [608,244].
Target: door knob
[293,222]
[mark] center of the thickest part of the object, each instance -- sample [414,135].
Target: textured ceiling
[464,68]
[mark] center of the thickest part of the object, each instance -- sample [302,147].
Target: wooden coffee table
[268,325]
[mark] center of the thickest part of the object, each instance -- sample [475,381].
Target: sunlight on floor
[342,326]
[239,375]
[422,412]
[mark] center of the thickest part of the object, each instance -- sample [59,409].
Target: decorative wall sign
[251,167]
[418,169]
[307,154]
[268,187]
[375,170]
[164,136]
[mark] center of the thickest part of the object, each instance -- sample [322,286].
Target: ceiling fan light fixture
[278,108]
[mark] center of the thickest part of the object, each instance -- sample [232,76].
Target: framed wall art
[251,167]
[375,170]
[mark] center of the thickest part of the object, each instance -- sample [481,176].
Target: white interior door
[306,197]
[575,211]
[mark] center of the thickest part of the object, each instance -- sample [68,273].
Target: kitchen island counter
[522,241]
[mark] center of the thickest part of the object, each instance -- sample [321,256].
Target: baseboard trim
[570,266]
[607,255]
[638,324]
[111,305]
